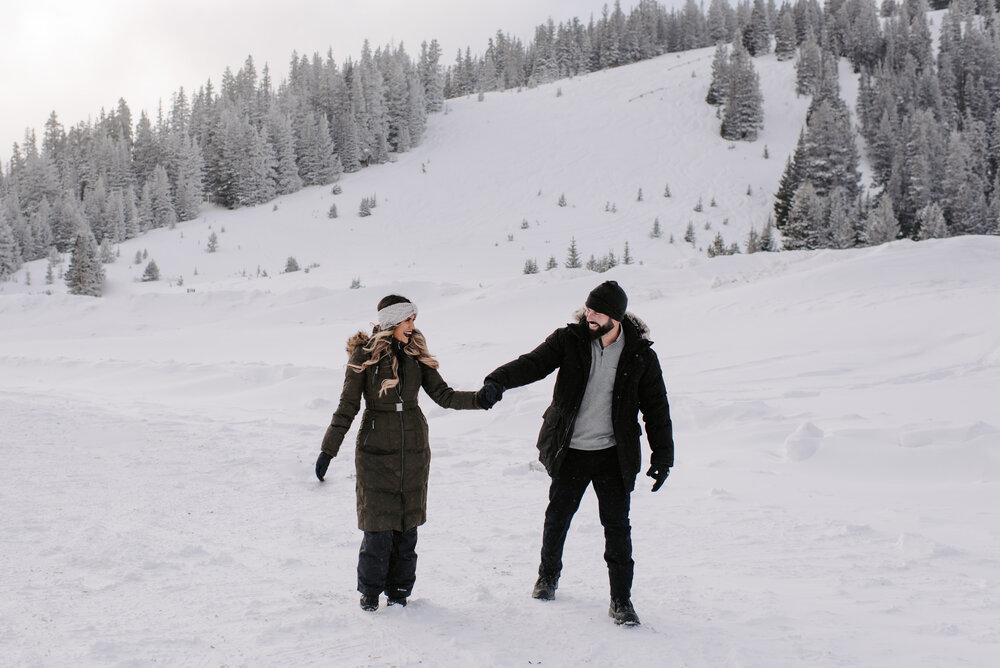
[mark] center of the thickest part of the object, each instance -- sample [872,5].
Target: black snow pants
[387,563]
[578,471]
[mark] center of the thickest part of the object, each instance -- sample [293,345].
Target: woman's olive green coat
[392,454]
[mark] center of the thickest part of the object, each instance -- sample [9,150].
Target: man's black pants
[578,471]
[388,562]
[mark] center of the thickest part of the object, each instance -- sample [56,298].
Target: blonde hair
[378,345]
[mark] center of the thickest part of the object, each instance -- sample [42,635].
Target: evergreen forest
[927,121]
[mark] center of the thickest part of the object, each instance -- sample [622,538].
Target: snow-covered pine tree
[718,87]
[931,222]
[186,168]
[160,199]
[809,67]
[114,216]
[757,33]
[282,138]
[152,272]
[10,252]
[66,219]
[85,275]
[839,230]
[803,229]
[784,35]
[964,189]
[744,111]
[881,225]
[94,205]
[107,251]
[431,75]
[291,265]
[720,21]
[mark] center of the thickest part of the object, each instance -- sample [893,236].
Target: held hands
[322,463]
[658,473]
[489,395]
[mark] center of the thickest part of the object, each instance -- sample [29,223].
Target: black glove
[659,473]
[322,463]
[489,395]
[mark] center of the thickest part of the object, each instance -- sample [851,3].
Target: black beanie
[608,298]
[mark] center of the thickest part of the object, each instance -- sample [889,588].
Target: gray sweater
[593,429]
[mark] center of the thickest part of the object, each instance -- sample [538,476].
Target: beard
[601,330]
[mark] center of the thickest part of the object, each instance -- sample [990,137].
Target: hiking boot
[545,587]
[622,612]
[369,602]
[397,600]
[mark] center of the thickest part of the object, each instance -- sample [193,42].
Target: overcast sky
[76,57]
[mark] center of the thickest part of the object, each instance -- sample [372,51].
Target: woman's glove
[322,463]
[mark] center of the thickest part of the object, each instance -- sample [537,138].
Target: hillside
[836,490]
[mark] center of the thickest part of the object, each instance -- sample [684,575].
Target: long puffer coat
[638,387]
[393,455]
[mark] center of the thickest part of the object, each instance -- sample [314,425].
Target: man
[590,433]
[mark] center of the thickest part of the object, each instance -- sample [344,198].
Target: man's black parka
[638,387]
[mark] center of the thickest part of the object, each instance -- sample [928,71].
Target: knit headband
[394,314]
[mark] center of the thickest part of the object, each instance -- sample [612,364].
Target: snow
[835,497]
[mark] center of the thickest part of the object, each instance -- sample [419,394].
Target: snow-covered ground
[835,498]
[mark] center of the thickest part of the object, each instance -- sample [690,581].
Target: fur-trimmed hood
[360,338]
[641,328]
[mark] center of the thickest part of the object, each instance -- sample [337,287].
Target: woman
[392,456]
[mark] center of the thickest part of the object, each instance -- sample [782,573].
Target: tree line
[930,122]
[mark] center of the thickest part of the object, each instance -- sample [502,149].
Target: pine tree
[881,225]
[931,222]
[626,256]
[10,253]
[744,112]
[768,242]
[802,229]
[809,67]
[572,256]
[160,199]
[213,243]
[552,264]
[107,251]
[753,241]
[530,266]
[718,88]
[839,228]
[784,36]
[152,272]
[963,191]
[689,235]
[291,265]
[85,275]
[757,34]
[656,232]
[717,247]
